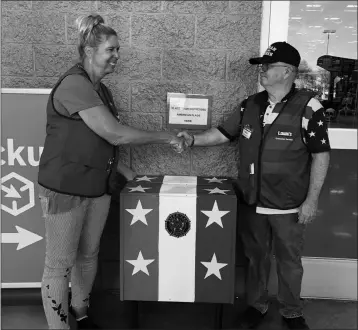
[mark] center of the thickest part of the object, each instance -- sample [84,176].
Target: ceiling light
[297,17]
[351,6]
[352,42]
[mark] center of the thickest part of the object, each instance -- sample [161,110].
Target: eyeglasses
[265,67]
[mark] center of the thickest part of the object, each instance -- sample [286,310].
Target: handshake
[181,141]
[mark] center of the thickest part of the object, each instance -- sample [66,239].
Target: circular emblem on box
[177,224]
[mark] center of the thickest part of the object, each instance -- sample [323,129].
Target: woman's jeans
[74,227]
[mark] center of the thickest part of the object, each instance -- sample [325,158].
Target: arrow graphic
[11,192]
[23,237]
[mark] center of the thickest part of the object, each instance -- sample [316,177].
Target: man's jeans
[258,231]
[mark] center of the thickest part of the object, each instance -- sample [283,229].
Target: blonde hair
[91,32]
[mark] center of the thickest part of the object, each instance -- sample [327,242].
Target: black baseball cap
[279,52]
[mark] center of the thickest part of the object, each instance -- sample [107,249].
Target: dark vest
[274,166]
[75,160]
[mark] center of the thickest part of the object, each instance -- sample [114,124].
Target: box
[178,236]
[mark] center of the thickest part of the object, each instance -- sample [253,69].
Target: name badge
[247,131]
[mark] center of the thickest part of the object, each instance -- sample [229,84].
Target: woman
[78,158]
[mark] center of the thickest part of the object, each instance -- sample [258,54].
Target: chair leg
[219,316]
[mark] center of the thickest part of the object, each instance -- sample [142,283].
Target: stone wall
[166,46]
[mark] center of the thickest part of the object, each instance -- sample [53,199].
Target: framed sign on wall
[189,111]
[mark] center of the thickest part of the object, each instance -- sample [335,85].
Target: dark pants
[258,231]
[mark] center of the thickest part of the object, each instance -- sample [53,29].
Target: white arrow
[23,237]
[11,192]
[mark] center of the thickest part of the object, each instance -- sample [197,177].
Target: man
[284,157]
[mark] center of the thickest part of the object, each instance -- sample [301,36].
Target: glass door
[325,33]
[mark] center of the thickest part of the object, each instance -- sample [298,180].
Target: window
[325,33]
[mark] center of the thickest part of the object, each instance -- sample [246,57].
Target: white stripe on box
[177,255]
[169,179]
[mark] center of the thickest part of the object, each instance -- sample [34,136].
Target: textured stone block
[124,154]
[115,6]
[216,161]
[228,31]
[147,122]
[53,60]
[26,82]
[216,120]
[194,65]
[15,4]
[152,97]
[17,60]
[196,6]
[48,28]
[73,6]
[147,6]
[226,96]
[238,63]
[163,31]
[120,24]
[129,6]
[139,64]
[246,7]
[120,91]
[34,27]
[16,26]
[160,159]
[239,69]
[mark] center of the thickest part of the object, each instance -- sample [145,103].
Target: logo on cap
[270,50]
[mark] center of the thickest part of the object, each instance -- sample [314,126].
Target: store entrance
[343,83]
[325,32]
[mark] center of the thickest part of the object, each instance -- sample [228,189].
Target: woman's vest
[274,166]
[75,160]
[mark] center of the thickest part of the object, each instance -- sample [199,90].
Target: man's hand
[187,138]
[177,144]
[307,212]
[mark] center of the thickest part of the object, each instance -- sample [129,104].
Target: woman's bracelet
[192,144]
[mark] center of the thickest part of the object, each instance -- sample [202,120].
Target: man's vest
[75,160]
[274,166]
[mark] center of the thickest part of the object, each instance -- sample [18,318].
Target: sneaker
[296,323]
[251,318]
[86,323]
